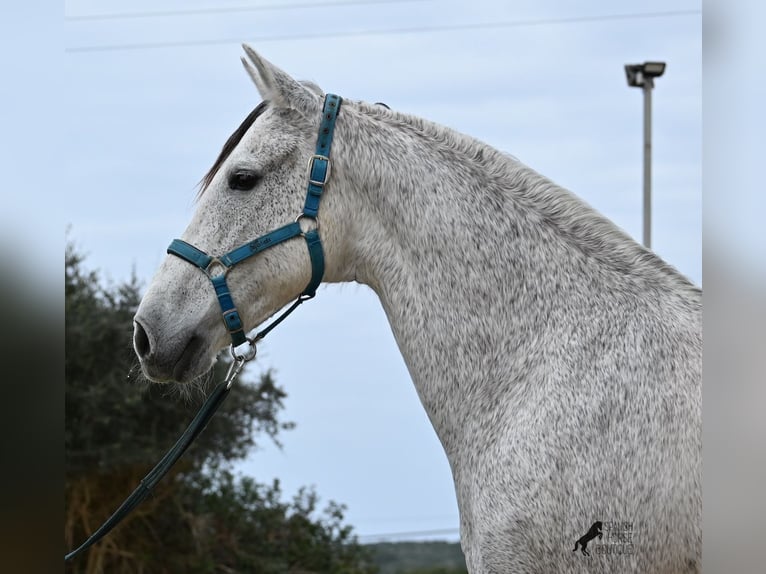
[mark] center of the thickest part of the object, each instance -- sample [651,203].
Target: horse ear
[277,86]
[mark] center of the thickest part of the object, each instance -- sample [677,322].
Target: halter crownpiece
[216,268]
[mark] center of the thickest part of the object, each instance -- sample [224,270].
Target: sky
[149,101]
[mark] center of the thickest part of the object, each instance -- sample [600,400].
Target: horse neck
[475,257]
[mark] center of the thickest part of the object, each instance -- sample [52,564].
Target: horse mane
[559,209]
[229,146]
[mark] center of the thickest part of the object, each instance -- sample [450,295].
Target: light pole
[642,76]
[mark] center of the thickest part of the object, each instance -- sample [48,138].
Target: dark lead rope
[146,485]
[318,173]
[194,429]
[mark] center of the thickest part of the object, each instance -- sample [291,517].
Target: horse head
[257,184]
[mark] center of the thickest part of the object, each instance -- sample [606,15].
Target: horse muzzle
[181,359]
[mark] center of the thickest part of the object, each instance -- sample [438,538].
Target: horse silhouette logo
[593,531]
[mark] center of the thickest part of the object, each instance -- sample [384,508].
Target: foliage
[271,536]
[200,518]
[111,422]
[435,557]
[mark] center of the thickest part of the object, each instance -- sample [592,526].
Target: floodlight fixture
[638,74]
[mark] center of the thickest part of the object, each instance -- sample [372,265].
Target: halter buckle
[315,170]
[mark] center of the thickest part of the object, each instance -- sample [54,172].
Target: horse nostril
[141,340]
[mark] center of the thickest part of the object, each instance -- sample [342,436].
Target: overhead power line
[230,9]
[385,32]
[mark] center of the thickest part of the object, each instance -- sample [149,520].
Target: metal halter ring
[309,217]
[214,265]
[248,356]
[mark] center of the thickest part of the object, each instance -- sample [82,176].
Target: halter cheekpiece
[216,268]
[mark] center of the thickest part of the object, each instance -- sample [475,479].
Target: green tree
[271,536]
[112,421]
[431,557]
[200,518]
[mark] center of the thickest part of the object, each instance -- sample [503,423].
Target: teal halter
[216,268]
[318,172]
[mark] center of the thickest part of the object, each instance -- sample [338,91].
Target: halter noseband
[216,268]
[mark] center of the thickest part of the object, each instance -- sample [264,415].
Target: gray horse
[558,360]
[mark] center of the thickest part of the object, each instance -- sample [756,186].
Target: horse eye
[243,180]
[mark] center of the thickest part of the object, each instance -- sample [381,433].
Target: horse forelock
[230,144]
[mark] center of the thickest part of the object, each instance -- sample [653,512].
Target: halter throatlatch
[216,268]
